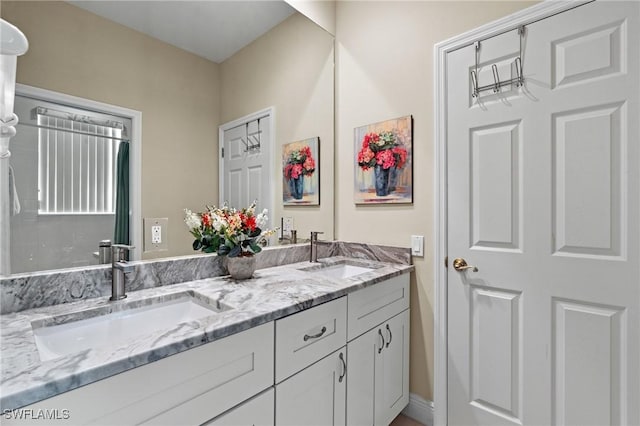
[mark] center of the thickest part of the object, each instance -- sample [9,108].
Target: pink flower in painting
[365,157]
[296,171]
[385,159]
[370,138]
[400,155]
[309,165]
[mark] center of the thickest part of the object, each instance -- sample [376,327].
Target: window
[76,162]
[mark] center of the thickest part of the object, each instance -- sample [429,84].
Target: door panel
[495,188]
[579,328]
[496,351]
[247,167]
[543,197]
[587,180]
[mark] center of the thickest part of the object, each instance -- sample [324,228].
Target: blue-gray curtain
[121,234]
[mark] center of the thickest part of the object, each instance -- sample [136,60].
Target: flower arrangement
[381,149]
[227,231]
[299,162]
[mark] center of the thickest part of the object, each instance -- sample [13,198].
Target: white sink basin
[342,270]
[112,329]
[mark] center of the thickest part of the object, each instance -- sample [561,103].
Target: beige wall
[384,69]
[290,68]
[322,12]
[75,52]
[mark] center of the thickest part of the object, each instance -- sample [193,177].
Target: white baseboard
[419,409]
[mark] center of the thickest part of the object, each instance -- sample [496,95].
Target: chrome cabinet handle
[344,368]
[390,336]
[315,336]
[382,337]
[460,265]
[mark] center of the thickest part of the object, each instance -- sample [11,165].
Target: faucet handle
[123,246]
[314,234]
[118,251]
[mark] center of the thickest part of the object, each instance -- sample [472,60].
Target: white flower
[262,219]
[252,208]
[192,219]
[219,223]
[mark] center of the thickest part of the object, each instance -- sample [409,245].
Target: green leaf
[223,250]
[197,245]
[215,242]
[255,233]
[209,249]
[235,251]
[255,248]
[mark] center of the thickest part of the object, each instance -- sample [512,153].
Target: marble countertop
[271,294]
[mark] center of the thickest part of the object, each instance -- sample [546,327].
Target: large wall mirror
[159,59]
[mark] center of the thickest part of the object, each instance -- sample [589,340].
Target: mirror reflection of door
[246,171]
[64,165]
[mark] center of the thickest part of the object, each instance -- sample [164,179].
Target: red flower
[309,165]
[296,171]
[400,155]
[370,138]
[206,220]
[385,159]
[250,223]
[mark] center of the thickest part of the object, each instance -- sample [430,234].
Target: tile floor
[404,421]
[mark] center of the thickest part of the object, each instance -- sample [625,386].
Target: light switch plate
[155,234]
[417,245]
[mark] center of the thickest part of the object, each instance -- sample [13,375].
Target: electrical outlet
[287,224]
[155,234]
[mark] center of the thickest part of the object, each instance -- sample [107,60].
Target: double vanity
[299,344]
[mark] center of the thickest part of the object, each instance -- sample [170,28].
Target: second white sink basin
[111,329]
[341,270]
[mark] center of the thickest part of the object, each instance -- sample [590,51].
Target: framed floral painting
[301,173]
[383,164]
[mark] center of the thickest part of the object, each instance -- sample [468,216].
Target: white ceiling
[209,28]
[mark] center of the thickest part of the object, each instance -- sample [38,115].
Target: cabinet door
[363,352]
[392,370]
[316,395]
[257,411]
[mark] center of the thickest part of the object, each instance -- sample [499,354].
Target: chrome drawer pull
[344,368]
[390,335]
[382,337]
[315,336]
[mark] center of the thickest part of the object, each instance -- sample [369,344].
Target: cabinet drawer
[258,411]
[373,305]
[190,387]
[308,336]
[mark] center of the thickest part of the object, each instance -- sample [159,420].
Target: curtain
[121,234]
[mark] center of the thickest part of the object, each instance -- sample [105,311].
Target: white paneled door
[246,164]
[543,198]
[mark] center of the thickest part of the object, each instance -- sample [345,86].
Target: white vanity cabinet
[343,362]
[188,388]
[378,387]
[258,411]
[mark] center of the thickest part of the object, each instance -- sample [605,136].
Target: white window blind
[76,166]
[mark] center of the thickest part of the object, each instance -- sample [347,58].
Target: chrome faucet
[119,267]
[314,246]
[293,239]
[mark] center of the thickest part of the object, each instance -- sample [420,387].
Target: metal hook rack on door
[497,83]
[251,145]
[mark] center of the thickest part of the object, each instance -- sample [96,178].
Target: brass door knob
[460,265]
